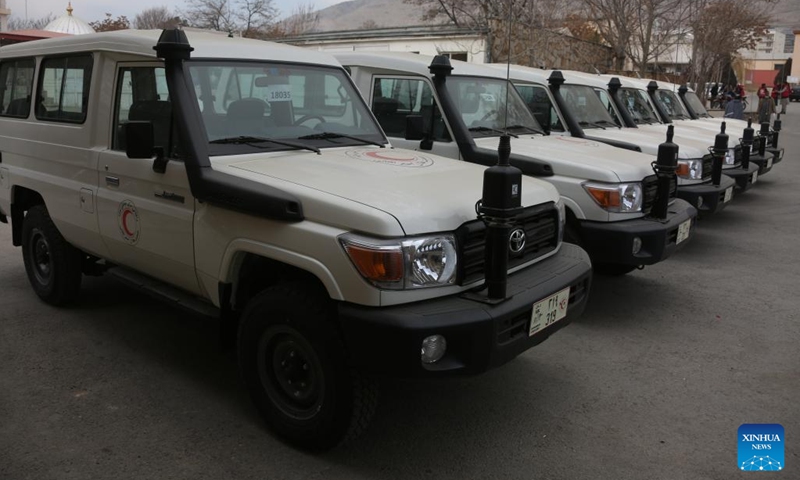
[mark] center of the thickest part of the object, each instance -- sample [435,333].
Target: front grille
[708,165]
[540,223]
[650,191]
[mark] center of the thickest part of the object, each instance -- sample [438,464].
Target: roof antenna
[508,62]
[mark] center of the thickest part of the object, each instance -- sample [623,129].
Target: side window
[142,95]
[606,101]
[540,105]
[393,99]
[63,90]
[16,85]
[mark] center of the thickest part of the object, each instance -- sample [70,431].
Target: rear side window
[542,108]
[63,91]
[16,85]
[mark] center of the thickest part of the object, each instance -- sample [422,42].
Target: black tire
[52,264]
[613,269]
[294,365]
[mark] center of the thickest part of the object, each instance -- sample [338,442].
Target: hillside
[356,14]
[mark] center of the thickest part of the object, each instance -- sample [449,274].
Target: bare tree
[303,19]
[255,16]
[109,24]
[15,23]
[720,29]
[211,14]
[155,18]
[655,26]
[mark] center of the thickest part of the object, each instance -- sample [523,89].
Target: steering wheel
[488,115]
[306,118]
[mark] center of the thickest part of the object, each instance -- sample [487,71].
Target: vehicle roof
[141,42]
[521,72]
[413,63]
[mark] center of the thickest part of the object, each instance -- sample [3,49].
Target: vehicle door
[146,217]
[395,97]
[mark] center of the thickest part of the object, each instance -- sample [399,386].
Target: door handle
[112,181]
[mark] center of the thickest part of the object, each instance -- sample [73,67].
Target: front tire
[293,363]
[52,264]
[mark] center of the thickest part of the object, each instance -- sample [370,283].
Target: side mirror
[140,143]
[414,127]
[139,140]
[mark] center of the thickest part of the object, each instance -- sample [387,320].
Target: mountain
[357,14]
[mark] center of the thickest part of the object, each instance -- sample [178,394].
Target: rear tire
[52,264]
[293,363]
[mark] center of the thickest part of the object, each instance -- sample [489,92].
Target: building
[69,24]
[65,25]
[4,14]
[761,64]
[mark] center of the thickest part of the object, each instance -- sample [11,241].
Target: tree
[211,14]
[655,27]
[720,29]
[156,18]
[255,16]
[304,19]
[15,23]
[110,24]
[252,18]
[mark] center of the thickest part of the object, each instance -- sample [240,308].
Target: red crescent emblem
[382,157]
[125,215]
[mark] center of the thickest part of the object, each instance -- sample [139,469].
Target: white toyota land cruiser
[249,180]
[457,109]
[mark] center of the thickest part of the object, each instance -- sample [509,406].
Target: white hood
[385,192]
[649,140]
[579,157]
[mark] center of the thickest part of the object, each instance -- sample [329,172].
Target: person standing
[784,95]
[774,94]
[734,108]
[763,92]
[766,108]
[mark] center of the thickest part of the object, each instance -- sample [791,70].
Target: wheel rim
[291,372]
[39,257]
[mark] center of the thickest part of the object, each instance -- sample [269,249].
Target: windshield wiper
[251,141]
[487,129]
[584,123]
[607,122]
[332,135]
[530,129]
[681,116]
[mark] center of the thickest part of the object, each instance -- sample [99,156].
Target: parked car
[794,96]
[249,181]
[458,110]
[590,113]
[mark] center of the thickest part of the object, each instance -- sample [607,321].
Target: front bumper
[764,162]
[777,153]
[707,197]
[744,178]
[480,336]
[612,242]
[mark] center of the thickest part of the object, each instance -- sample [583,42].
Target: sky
[91,10]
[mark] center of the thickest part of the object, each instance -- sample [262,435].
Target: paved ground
[652,383]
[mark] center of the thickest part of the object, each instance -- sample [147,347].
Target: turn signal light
[378,265]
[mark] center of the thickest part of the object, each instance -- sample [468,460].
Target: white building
[4,14]
[68,24]
[458,43]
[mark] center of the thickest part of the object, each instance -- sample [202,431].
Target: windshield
[670,103]
[590,112]
[694,102]
[637,104]
[482,105]
[256,106]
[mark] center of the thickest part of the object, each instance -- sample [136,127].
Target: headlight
[691,169]
[730,157]
[562,219]
[616,197]
[417,262]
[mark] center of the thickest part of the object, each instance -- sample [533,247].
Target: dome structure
[69,24]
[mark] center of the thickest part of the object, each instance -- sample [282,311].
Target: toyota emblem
[516,241]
